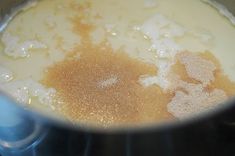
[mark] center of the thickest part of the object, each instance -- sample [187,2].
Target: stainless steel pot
[22,131]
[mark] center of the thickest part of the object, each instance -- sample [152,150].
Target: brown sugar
[102,87]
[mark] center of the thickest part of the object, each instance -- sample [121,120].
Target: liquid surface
[114,63]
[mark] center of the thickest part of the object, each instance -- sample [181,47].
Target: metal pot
[26,132]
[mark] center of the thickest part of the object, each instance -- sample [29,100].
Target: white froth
[17,49]
[24,90]
[161,79]
[198,68]
[195,101]
[193,98]
[108,82]
[5,75]
[158,26]
[162,33]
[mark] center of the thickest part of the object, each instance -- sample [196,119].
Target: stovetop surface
[64,143]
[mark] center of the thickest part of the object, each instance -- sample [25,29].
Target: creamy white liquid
[45,33]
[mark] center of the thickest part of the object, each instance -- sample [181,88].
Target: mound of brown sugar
[102,87]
